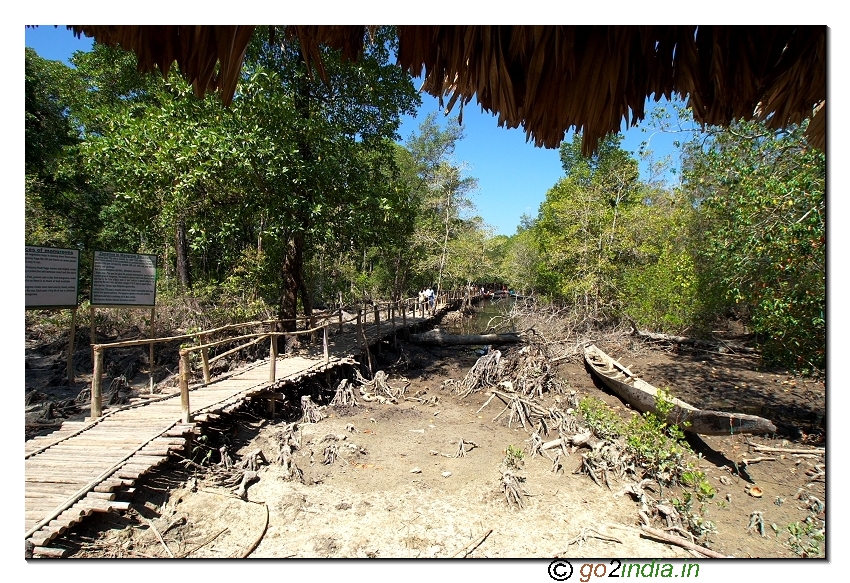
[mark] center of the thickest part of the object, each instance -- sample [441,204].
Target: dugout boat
[641,395]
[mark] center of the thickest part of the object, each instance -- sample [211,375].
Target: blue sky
[513,175]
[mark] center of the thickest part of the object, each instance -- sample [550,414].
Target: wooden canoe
[641,395]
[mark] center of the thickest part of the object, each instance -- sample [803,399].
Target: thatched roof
[546,79]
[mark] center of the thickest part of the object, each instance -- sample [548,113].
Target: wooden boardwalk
[82,467]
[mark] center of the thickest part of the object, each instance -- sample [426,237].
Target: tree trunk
[306,300]
[184,276]
[288,287]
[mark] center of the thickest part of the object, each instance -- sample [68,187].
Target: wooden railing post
[151,361]
[97,384]
[325,342]
[404,321]
[340,320]
[272,358]
[392,319]
[359,329]
[378,329]
[184,385]
[272,372]
[71,381]
[92,331]
[205,358]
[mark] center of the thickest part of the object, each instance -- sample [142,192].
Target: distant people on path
[429,293]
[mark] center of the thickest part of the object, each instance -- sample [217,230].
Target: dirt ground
[399,489]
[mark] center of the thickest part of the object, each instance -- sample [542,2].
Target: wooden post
[205,359]
[184,385]
[359,330]
[273,358]
[97,384]
[92,339]
[151,362]
[71,347]
[272,372]
[312,324]
[340,318]
[392,319]
[325,343]
[404,321]
[378,329]
[364,344]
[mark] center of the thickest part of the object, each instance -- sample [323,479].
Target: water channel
[488,313]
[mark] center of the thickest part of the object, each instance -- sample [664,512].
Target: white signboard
[52,277]
[123,279]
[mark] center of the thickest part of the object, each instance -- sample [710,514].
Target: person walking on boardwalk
[429,293]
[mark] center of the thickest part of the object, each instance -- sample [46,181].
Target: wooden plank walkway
[77,469]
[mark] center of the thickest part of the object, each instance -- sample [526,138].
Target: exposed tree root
[588,531]
[344,396]
[311,412]
[514,492]
[378,389]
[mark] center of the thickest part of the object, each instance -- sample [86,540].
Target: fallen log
[722,347]
[440,338]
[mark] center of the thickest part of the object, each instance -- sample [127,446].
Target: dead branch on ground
[588,531]
[647,531]
[470,548]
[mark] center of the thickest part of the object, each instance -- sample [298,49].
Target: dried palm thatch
[546,79]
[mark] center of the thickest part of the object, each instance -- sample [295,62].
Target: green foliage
[600,419]
[659,449]
[660,452]
[759,237]
[447,248]
[513,457]
[805,539]
[61,207]
[294,175]
[582,228]
[663,295]
[695,520]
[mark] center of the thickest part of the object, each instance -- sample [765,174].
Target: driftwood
[792,451]
[440,338]
[721,347]
[677,540]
